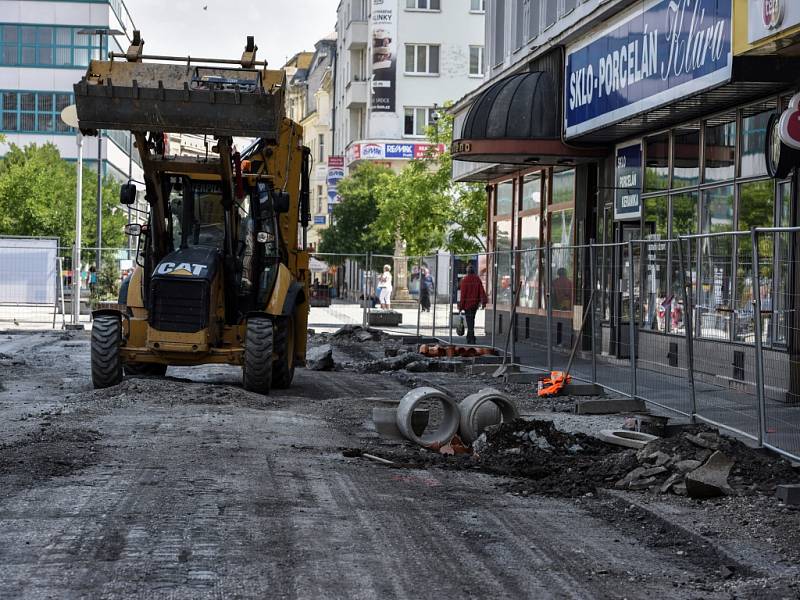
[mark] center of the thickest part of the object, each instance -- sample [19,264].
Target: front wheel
[283,365]
[258,345]
[106,342]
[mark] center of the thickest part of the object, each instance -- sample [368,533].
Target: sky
[281,27]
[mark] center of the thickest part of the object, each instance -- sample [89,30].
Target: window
[502,244]
[532,192]
[519,24]
[423,4]
[319,199]
[498,47]
[561,225]
[534,14]
[422,59]
[505,198]
[47,46]
[550,12]
[656,170]
[477,5]
[417,120]
[720,150]
[686,157]
[563,186]
[476,61]
[530,259]
[35,112]
[321,145]
[754,134]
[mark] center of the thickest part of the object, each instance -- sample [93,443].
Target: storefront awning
[317,266]
[517,121]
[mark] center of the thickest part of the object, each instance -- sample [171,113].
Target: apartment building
[398,62]
[46,48]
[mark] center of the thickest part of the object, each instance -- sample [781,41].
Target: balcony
[355,94]
[355,35]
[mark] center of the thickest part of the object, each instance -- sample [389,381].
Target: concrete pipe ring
[448,425]
[479,410]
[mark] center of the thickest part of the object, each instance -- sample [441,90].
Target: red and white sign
[335,162]
[789,124]
[772,13]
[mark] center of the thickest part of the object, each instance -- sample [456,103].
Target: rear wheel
[258,347]
[106,360]
[283,365]
[134,369]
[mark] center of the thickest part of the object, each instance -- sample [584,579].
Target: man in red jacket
[472,296]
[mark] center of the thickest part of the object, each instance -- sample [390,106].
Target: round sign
[70,115]
[772,13]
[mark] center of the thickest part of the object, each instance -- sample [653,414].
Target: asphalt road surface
[190,487]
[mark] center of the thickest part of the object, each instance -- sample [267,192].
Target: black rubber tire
[283,363]
[144,370]
[106,342]
[258,346]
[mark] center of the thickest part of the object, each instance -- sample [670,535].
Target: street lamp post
[100,33]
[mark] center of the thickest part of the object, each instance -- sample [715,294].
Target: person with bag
[472,296]
[385,285]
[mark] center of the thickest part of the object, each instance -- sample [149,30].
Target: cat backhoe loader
[222,271]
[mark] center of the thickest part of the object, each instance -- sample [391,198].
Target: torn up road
[190,487]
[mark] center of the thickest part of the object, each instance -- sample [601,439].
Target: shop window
[656,171]
[656,217]
[561,227]
[684,214]
[754,135]
[780,314]
[530,260]
[686,157]
[715,302]
[563,186]
[720,151]
[532,192]
[505,198]
[684,222]
[502,245]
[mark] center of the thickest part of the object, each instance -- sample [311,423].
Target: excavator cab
[222,272]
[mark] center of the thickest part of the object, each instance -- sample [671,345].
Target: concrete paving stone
[608,406]
[789,493]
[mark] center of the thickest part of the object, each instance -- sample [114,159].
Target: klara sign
[655,54]
[628,197]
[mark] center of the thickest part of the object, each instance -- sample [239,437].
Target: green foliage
[108,282]
[37,198]
[351,228]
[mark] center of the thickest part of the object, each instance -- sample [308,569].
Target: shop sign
[628,197]
[320,219]
[335,174]
[383,45]
[377,151]
[650,56]
[766,18]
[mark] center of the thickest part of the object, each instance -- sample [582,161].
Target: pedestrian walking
[425,289]
[472,297]
[385,284]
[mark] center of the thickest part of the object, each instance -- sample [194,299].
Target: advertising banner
[769,17]
[628,199]
[380,151]
[335,173]
[383,50]
[319,219]
[657,53]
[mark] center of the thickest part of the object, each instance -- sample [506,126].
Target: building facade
[43,54]
[608,121]
[398,61]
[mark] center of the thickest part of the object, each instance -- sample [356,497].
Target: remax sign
[650,56]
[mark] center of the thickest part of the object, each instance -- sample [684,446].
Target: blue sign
[657,53]
[399,151]
[320,220]
[628,199]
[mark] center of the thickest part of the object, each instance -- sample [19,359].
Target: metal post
[419,291]
[759,342]
[593,285]
[451,291]
[76,254]
[435,286]
[548,252]
[512,316]
[494,297]
[631,319]
[688,316]
[365,289]
[99,198]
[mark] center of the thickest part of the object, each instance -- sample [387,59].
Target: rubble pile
[357,333]
[701,463]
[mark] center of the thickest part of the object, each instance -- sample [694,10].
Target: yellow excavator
[222,271]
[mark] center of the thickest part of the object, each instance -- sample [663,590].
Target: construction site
[251,418]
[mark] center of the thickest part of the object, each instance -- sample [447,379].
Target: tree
[351,226]
[37,198]
[427,209]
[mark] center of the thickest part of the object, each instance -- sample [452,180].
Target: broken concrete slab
[789,493]
[384,318]
[418,366]
[685,466]
[609,406]
[704,440]
[320,358]
[671,480]
[711,479]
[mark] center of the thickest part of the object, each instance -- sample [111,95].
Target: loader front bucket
[175,98]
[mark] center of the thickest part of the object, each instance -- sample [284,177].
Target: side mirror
[133,229]
[280,201]
[127,194]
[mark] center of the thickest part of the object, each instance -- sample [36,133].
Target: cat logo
[185,269]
